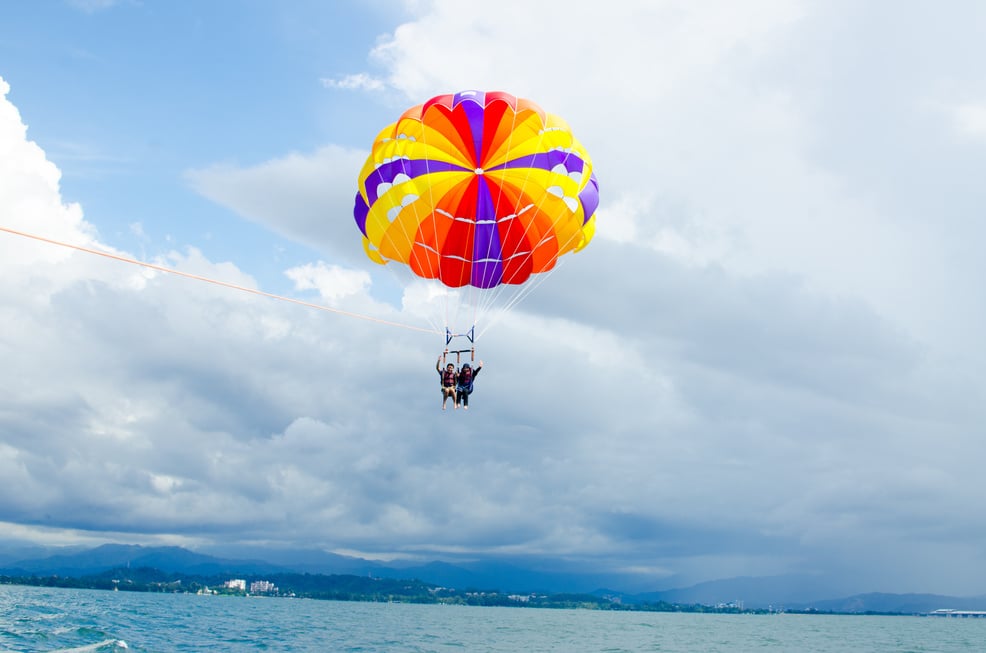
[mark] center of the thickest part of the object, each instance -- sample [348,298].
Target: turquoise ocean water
[41,619]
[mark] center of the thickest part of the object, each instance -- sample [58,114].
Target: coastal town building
[263,587]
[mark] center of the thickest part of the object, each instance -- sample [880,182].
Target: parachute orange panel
[477,189]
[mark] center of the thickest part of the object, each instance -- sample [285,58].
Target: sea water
[52,619]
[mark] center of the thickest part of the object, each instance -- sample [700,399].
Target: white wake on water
[115,643]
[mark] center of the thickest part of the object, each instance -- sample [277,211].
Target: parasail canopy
[477,189]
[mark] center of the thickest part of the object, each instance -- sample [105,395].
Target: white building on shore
[235,584]
[263,587]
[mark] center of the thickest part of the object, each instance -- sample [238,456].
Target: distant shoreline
[342,587]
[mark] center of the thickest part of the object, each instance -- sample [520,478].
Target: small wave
[114,643]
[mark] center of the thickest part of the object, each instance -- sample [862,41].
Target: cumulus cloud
[331,281]
[794,305]
[767,361]
[700,116]
[123,409]
[29,192]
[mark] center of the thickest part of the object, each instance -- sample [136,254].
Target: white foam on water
[115,643]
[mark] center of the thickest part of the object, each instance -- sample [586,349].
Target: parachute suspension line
[485,301]
[399,152]
[405,276]
[217,282]
[529,286]
[533,284]
[558,261]
[451,298]
[522,293]
[402,276]
[433,272]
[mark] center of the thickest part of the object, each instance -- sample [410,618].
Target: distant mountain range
[777,592]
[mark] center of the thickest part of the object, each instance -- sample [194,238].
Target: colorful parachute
[476,189]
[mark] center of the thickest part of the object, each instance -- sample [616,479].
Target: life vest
[448,378]
[465,377]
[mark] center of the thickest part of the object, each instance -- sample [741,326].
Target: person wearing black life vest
[463,384]
[449,378]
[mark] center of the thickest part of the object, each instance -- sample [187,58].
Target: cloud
[306,198]
[331,281]
[970,120]
[801,312]
[767,361]
[711,144]
[358,81]
[93,6]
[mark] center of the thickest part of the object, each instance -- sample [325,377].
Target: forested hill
[340,587]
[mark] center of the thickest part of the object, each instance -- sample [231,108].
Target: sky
[768,361]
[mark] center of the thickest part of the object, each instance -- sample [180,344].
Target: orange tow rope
[226,284]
